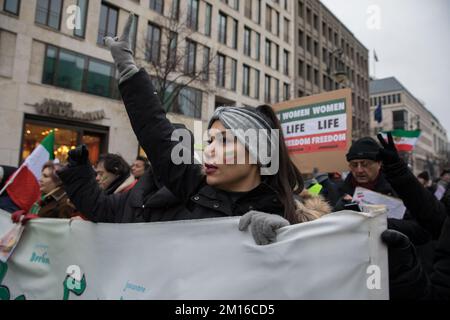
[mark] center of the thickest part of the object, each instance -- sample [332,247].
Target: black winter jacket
[184,193]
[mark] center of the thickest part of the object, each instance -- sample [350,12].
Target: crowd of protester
[160,190]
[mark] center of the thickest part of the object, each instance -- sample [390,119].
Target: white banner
[339,256]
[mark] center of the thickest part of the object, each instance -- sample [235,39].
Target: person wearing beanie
[365,171]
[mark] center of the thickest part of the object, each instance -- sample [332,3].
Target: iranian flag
[404,140]
[23,186]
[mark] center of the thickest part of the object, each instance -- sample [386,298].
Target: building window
[153,43]
[258,12]
[301,68]
[286,62]
[286,91]
[286,30]
[277,32]
[277,57]
[80,31]
[248,9]
[192,14]
[301,38]
[206,62]
[70,70]
[157,5]
[308,44]
[222,28]
[247,42]
[208,20]
[12,6]
[316,22]
[267,89]
[301,9]
[316,77]
[67,137]
[173,44]
[308,73]
[268,52]
[234,4]
[246,81]
[48,12]
[234,39]
[277,90]
[316,49]
[98,78]
[189,103]
[268,18]
[256,91]
[308,15]
[233,74]
[108,23]
[257,46]
[220,81]
[400,120]
[190,57]
[175,10]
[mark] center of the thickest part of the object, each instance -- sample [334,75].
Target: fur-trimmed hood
[310,207]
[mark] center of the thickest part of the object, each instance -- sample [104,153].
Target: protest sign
[318,130]
[395,207]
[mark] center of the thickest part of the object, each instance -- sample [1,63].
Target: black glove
[407,279]
[388,154]
[78,156]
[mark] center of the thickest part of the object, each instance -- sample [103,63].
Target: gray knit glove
[263,225]
[121,50]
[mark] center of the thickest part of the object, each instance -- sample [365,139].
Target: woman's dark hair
[288,180]
[115,164]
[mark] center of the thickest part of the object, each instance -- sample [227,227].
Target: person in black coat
[411,275]
[373,171]
[218,189]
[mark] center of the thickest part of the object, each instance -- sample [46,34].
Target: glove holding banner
[263,226]
[407,278]
[121,50]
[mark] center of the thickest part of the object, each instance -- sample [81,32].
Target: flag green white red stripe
[23,186]
[404,140]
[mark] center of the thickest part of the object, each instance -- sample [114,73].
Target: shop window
[67,137]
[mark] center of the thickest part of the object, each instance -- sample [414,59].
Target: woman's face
[104,178]
[138,168]
[227,165]
[46,183]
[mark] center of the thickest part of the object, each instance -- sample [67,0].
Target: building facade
[329,57]
[402,110]
[56,73]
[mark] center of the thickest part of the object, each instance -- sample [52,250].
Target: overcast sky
[412,44]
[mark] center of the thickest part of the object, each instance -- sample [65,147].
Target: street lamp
[338,71]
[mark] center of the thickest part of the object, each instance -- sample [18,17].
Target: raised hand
[78,156]
[388,153]
[121,52]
